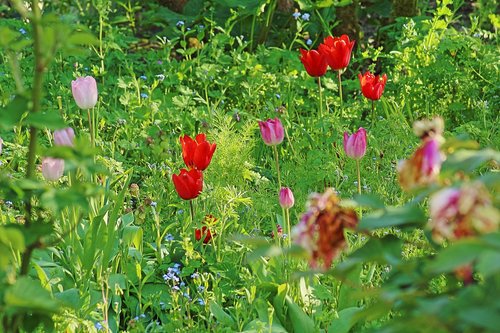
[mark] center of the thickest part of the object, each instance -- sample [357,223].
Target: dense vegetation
[357,204]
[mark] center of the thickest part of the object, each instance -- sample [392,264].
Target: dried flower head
[321,229]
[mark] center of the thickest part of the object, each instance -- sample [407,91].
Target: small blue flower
[22,31]
[98,326]
[296,15]
[176,288]
[188,29]
[182,284]
[180,211]
[201,26]
[136,318]
[144,95]
[278,96]
[201,289]
[180,23]
[284,236]
[169,237]
[8,203]
[186,295]
[306,16]
[195,275]
[142,315]
[86,69]
[309,42]
[143,77]
[201,301]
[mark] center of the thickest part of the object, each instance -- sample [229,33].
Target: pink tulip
[85,92]
[52,168]
[272,131]
[355,144]
[286,198]
[64,137]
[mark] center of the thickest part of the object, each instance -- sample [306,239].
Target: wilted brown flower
[321,229]
[462,212]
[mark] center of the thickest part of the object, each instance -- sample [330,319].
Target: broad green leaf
[12,238]
[456,255]
[489,263]
[29,295]
[301,322]
[393,216]
[346,320]
[50,120]
[221,316]
[70,297]
[13,112]
[468,160]
[132,234]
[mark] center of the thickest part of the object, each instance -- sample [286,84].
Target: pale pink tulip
[64,137]
[52,168]
[84,92]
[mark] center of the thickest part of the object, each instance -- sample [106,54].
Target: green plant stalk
[36,100]
[275,149]
[191,209]
[159,255]
[373,112]
[320,98]
[359,176]
[91,127]
[340,87]
[288,228]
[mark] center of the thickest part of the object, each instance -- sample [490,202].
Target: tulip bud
[197,153]
[52,168]
[84,92]
[314,62]
[286,198]
[204,233]
[64,137]
[372,86]
[272,131]
[355,144]
[337,51]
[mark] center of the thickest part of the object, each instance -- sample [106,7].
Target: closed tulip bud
[197,153]
[337,51]
[272,131]
[314,62]
[286,198]
[188,184]
[64,137]
[84,92]
[204,233]
[355,144]
[52,168]
[372,86]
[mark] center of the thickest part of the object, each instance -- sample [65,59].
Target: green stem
[320,98]
[288,227]
[275,149]
[340,87]
[359,177]
[91,127]
[373,112]
[191,209]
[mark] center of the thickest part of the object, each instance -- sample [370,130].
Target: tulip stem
[275,149]
[373,112]
[359,176]
[320,98]
[91,127]
[288,228]
[340,87]
[191,209]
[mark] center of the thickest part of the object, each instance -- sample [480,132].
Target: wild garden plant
[215,178]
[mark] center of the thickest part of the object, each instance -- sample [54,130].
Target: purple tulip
[272,131]
[355,144]
[85,92]
[64,137]
[52,168]
[286,198]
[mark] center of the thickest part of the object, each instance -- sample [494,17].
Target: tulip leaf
[221,316]
[13,112]
[346,320]
[393,216]
[50,120]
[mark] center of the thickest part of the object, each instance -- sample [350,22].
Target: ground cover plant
[258,166]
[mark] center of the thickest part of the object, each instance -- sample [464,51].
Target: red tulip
[197,153]
[204,231]
[188,184]
[337,51]
[372,86]
[314,62]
